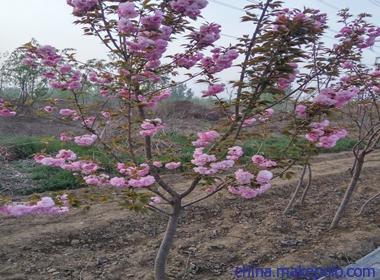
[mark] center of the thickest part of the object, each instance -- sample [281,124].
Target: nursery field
[108,242]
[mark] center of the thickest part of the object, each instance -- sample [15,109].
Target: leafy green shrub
[52,179]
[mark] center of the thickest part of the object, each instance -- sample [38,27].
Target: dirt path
[107,242]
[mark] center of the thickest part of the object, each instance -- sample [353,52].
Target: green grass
[24,147]
[52,179]
[182,148]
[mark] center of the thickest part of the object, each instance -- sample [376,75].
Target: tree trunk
[350,190]
[294,195]
[166,244]
[310,177]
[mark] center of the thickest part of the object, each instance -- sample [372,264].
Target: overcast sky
[50,22]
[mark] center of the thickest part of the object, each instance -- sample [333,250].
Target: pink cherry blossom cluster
[312,18]
[335,98]
[265,115]
[286,80]
[138,176]
[85,140]
[243,177]
[323,136]
[153,101]
[207,35]
[66,160]
[151,38]
[4,111]
[82,7]
[101,180]
[301,111]
[187,61]
[68,113]
[135,176]
[262,162]
[172,165]
[48,56]
[60,76]
[208,165]
[362,36]
[142,182]
[189,8]
[219,60]
[205,138]
[46,205]
[213,90]
[235,153]
[151,127]
[244,180]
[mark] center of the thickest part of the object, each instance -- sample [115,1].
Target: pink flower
[172,165]
[234,153]
[92,180]
[348,64]
[45,205]
[243,177]
[105,114]
[151,127]
[262,162]
[118,182]
[201,159]
[207,35]
[5,112]
[323,136]
[66,154]
[155,200]
[88,167]
[89,122]
[187,61]
[190,8]
[213,90]
[64,137]
[157,164]
[53,162]
[142,182]
[82,7]
[219,61]
[152,22]
[64,69]
[85,140]
[48,109]
[66,112]
[127,10]
[264,176]
[205,138]
[301,111]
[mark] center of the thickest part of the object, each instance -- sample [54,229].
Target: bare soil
[107,242]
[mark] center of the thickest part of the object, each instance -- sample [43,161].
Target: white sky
[50,22]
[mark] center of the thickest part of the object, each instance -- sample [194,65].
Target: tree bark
[166,243]
[350,190]
[294,195]
[309,179]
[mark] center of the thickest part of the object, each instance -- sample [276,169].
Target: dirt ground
[213,238]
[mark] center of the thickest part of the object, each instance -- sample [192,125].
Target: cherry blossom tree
[365,114]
